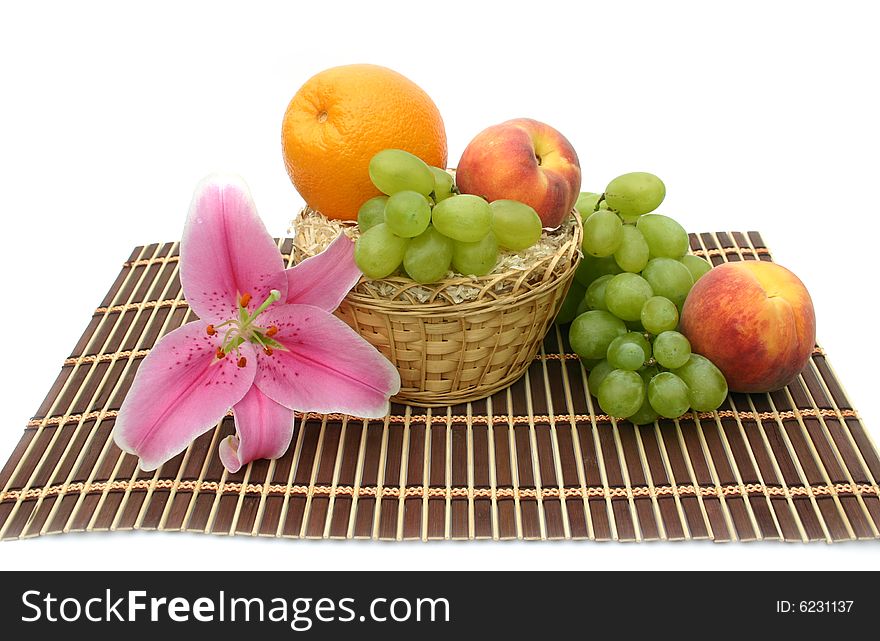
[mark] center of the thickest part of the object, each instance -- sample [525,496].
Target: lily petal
[325,279]
[263,430]
[325,366]
[226,251]
[180,392]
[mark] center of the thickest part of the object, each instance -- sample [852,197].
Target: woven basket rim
[552,266]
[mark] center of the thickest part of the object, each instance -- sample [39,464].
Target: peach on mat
[754,320]
[523,160]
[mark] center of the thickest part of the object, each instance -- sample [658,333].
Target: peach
[523,160]
[754,320]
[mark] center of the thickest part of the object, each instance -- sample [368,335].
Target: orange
[340,118]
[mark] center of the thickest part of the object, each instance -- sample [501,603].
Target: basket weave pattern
[448,349]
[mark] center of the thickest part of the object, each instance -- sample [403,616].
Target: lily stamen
[210,331]
[245,299]
[220,354]
[267,351]
[242,362]
[271,331]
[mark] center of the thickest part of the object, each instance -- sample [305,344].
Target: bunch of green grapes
[424,225]
[625,303]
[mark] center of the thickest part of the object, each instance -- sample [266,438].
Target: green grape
[590,363]
[626,356]
[669,395]
[659,314]
[592,332]
[625,294]
[591,268]
[587,203]
[602,233]
[696,265]
[394,170]
[598,373]
[706,383]
[669,278]
[635,193]
[568,309]
[595,295]
[475,259]
[582,307]
[665,236]
[516,225]
[378,252]
[626,353]
[372,213]
[646,414]
[428,256]
[632,255]
[444,186]
[638,339]
[671,349]
[407,213]
[621,393]
[465,218]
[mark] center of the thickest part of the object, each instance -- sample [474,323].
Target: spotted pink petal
[180,392]
[326,367]
[325,279]
[226,251]
[263,430]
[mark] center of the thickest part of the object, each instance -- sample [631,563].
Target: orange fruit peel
[343,116]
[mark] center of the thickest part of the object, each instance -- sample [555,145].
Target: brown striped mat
[535,461]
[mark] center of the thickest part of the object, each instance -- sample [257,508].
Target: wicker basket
[462,338]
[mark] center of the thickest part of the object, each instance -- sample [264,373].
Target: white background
[761,116]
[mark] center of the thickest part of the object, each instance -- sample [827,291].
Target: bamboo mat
[534,461]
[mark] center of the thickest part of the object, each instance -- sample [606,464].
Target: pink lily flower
[266,342]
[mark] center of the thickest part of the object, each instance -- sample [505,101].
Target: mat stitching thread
[761,251]
[127,307]
[143,262]
[166,259]
[110,356]
[640,491]
[420,419]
